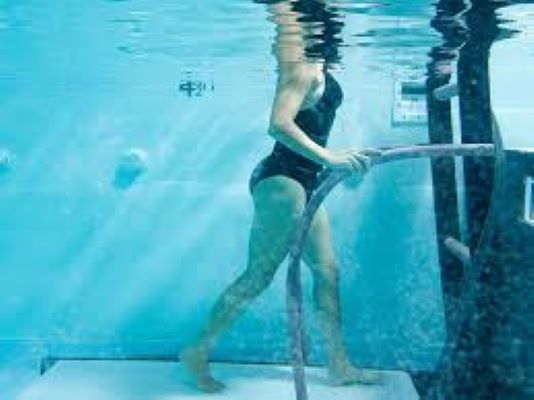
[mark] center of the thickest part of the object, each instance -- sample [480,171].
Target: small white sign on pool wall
[529,199]
[409,103]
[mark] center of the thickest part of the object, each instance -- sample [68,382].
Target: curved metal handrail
[329,179]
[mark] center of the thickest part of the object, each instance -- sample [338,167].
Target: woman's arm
[291,90]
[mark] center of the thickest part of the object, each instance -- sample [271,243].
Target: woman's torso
[316,122]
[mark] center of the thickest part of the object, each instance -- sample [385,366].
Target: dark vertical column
[469,374]
[440,131]
[475,113]
[445,193]
[445,206]
[444,185]
[487,358]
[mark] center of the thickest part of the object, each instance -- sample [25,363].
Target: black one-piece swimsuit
[316,122]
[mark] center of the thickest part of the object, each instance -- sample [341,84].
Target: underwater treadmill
[485,354]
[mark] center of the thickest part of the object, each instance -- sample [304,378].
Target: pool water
[128,130]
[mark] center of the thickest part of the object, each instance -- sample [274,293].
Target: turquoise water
[100,261]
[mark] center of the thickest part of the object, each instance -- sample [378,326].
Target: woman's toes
[210,385]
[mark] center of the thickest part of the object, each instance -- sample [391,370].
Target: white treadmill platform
[153,380]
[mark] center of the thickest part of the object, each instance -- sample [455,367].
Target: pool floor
[156,380]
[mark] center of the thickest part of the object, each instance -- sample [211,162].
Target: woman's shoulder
[301,75]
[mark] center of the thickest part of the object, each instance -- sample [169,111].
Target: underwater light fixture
[6,160]
[132,164]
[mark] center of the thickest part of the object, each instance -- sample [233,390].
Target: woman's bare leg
[278,204]
[319,256]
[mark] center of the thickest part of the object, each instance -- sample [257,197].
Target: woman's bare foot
[195,361]
[347,374]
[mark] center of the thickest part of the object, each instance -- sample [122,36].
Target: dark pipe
[328,180]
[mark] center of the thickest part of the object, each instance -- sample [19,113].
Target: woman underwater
[303,111]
